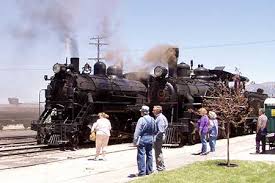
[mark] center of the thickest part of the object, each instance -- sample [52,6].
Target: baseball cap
[145,109]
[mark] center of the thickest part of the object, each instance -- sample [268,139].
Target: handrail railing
[39,102]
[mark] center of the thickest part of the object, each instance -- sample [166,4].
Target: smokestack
[173,54]
[75,63]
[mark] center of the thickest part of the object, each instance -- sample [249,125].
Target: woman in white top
[102,128]
[213,130]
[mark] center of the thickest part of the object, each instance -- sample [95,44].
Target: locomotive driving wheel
[192,136]
[38,139]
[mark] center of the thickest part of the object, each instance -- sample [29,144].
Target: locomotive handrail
[60,105]
[213,97]
[126,96]
[104,102]
[58,102]
[65,120]
[39,103]
[188,104]
[58,123]
[165,103]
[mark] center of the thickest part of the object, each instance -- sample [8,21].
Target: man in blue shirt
[143,139]
[162,124]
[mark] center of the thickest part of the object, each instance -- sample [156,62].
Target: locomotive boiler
[73,100]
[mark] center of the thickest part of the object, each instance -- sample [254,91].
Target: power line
[230,44]
[22,69]
[212,46]
[99,44]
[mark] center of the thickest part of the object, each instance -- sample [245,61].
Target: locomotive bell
[99,68]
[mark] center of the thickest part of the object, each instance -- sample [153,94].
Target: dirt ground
[18,114]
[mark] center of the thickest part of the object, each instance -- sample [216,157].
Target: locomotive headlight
[56,68]
[160,71]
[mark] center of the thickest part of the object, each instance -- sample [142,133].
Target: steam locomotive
[186,88]
[73,99]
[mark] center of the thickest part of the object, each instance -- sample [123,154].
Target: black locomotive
[186,88]
[73,99]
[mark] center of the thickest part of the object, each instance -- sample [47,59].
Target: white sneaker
[96,158]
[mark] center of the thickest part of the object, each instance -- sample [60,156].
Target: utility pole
[98,44]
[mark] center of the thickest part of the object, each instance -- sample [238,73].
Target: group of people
[149,134]
[207,127]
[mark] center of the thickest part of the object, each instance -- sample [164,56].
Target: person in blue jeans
[213,130]
[261,130]
[143,139]
[203,129]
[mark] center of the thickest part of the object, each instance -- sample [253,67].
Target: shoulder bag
[93,136]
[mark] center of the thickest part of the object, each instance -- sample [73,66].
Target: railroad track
[17,143]
[18,137]
[26,149]
[22,145]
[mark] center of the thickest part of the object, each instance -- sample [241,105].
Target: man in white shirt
[261,131]
[162,124]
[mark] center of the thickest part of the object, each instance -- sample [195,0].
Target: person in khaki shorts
[102,127]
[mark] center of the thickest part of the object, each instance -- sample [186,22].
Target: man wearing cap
[162,124]
[143,139]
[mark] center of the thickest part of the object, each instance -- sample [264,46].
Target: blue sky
[135,27]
